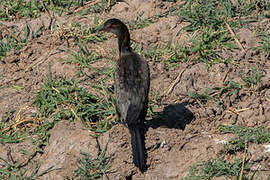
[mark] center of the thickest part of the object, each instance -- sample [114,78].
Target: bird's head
[114,26]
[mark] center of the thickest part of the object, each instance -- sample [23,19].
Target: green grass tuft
[214,13]
[219,94]
[90,167]
[83,58]
[244,135]
[32,9]
[253,77]
[11,40]
[15,171]
[217,168]
[264,43]
[63,99]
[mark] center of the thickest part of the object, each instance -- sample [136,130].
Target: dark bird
[131,86]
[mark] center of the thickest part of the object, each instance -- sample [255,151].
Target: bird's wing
[131,88]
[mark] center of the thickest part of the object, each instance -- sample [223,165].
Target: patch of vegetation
[83,58]
[17,129]
[90,167]
[57,100]
[98,6]
[141,23]
[217,168]
[232,170]
[253,78]
[11,41]
[31,8]
[205,47]
[22,8]
[203,97]
[82,34]
[203,14]
[152,53]
[12,136]
[214,13]
[264,43]
[43,133]
[14,129]
[245,135]
[220,94]
[210,21]
[63,99]
[11,170]
[8,44]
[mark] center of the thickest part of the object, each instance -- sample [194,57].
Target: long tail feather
[138,145]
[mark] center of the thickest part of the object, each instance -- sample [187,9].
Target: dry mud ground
[190,135]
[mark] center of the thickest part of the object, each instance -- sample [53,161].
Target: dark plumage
[131,89]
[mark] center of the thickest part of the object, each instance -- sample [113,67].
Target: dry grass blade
[243,162]
[241,110]
[235,38]
[109,4]
[73,112]
[238,110]
[56,90]
[214,94]
[109,117]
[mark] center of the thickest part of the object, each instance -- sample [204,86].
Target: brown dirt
[189,136]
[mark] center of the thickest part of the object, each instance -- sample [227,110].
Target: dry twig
[20,120]
[236,111]
[175,82]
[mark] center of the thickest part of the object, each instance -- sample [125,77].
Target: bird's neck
[124,41]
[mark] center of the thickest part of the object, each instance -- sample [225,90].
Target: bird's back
[131,88]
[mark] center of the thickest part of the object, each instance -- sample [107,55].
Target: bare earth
[191,133]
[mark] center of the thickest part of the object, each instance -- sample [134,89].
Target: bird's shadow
[173,116]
